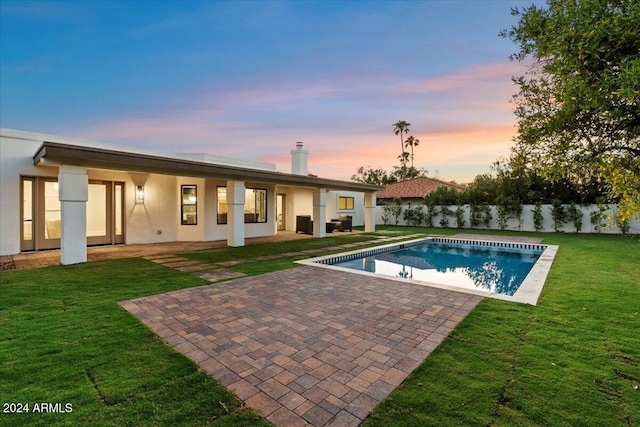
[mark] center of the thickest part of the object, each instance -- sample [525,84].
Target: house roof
[57,153]
[415,188]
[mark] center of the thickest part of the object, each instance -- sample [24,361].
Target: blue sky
[250,78]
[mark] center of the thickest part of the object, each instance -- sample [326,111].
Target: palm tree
[411,142]
[404,159]
[402,128]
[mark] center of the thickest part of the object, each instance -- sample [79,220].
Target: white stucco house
[67,193]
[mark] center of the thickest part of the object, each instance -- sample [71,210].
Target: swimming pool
[504,270]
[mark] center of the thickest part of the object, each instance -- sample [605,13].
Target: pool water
[488,268]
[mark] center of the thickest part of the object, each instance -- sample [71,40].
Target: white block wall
[526,220]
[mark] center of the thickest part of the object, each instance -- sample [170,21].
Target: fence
[595,219]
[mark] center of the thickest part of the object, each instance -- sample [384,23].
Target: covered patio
[77,194]
[99,253]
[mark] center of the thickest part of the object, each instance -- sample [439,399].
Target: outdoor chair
[344,223]
[304,224]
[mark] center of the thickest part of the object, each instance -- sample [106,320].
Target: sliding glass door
[117,213]
[104,213]
[48,214]
[27,232]
[41,213]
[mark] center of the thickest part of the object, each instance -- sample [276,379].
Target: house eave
[56,153]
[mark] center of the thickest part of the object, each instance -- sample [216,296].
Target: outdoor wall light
[139,194]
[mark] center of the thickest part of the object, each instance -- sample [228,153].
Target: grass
[255,251]
[572,360]
[64,339]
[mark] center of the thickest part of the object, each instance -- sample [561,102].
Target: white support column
[319,212]
[235,213]
[370,212]
[73,194]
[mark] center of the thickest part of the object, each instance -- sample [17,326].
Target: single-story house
[414,190]
[67,193]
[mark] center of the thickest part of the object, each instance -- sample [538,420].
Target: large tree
[578,105]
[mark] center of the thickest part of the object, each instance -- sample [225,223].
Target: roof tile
[414,188]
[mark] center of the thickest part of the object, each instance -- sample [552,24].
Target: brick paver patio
[306,345]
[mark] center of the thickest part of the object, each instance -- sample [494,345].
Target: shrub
[538,218]
[480,214]
[413,216]
[559,214]
[445,212]
[396,209]
[598,216]
[575,215]
[386,212]
[443,195]
[623,224]
[459,215]
[516,212]
[507,208]
[503,215]
[432,211]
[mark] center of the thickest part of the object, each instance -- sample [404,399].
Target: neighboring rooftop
[415,188]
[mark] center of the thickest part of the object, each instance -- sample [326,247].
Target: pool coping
[528,292]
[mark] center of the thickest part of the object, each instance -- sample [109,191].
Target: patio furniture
[304,224]
[344,223]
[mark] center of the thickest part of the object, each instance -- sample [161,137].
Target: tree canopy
[578,105]
[379,176]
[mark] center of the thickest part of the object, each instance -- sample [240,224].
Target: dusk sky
[248,79]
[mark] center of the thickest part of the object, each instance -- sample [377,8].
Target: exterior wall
[155,220]
[299,202]
[158,217]
[526,221]
[358,206]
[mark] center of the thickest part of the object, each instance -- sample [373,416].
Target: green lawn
[572,360]
[64,339]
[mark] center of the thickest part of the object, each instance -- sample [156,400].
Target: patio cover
[56,153]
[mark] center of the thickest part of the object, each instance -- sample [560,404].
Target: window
[345,203]
[188,207]
[255,205]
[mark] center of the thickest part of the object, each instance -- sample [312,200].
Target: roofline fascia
[60,153]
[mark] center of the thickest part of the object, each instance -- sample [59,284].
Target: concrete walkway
[306,346]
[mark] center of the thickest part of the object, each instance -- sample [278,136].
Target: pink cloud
[447,150]
[468,79]
[462,120]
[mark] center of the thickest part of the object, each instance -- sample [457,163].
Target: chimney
[299,160]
